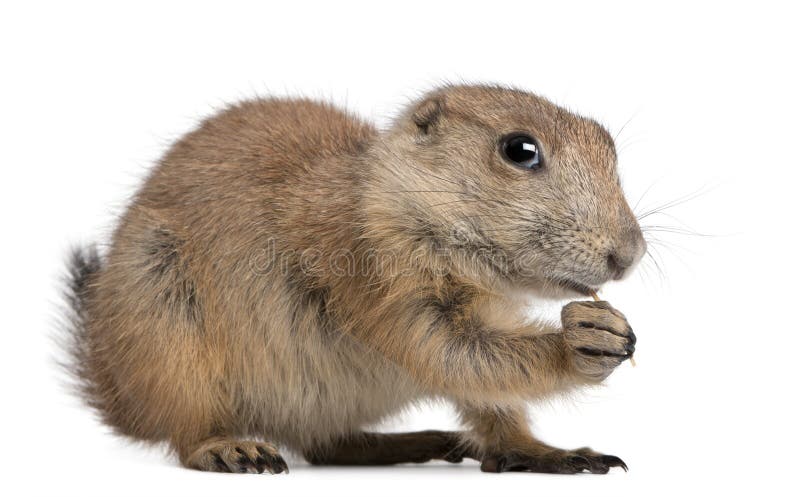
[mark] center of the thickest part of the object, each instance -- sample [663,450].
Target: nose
[626,254]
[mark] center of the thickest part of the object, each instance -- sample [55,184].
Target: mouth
[575,286]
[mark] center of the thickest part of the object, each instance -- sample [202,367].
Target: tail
[83,265]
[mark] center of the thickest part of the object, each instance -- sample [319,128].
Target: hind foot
[233,456]
[556,461]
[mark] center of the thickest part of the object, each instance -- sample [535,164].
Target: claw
[244,460]
[221,466]
[614,461]
[273,464]
[279,465]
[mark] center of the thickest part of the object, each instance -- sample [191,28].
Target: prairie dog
[288,275]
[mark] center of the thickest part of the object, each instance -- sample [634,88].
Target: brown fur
[289,274]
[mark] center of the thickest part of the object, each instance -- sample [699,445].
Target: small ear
[428,113]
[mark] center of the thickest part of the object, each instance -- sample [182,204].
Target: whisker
[646,191]
[652,258]
[674,203]
[463,200]
[674,230]
[427,191]
[623,126]
[427,173]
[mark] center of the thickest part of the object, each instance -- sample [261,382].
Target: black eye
[521,150]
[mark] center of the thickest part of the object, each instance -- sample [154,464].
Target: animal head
[509,187]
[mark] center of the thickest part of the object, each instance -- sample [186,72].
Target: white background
[91,94]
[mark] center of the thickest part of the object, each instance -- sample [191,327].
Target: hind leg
[227,455]
[391,448]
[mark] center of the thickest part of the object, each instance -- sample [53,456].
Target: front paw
[598,337]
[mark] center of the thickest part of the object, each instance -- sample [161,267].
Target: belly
[315,388]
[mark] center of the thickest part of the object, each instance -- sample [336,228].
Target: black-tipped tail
[83,264]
